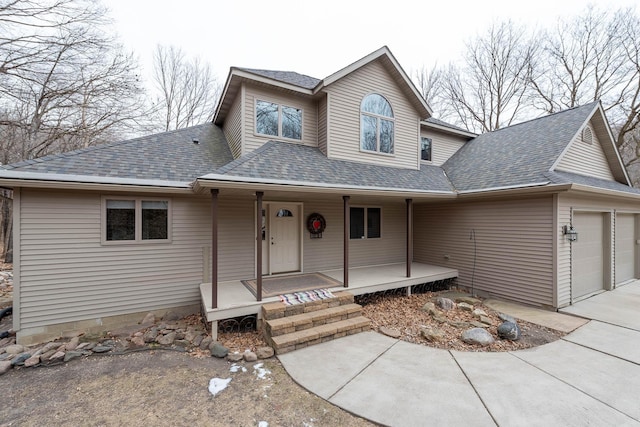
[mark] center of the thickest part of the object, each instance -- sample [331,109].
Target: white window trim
[279,135]
[365,207]
[378,117]
[138,225]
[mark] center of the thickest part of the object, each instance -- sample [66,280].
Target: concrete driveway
[590,377]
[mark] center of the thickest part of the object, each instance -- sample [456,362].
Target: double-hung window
[129,220]
[365,223]
[376,124]
[278,120]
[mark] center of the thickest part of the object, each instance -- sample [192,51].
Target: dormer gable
[592,151]
[329,114]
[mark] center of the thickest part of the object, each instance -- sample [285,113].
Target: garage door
[588,254]
[625,255]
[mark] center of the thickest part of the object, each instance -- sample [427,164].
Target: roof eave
[449,130]
[236,75]
[257,184]
[515,190]
[16,179]
[581,188]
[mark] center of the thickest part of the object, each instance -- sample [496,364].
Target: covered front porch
[235,299]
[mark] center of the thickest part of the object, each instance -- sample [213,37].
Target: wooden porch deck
[235,300]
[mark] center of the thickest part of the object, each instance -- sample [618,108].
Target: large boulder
[445,303]
[477,336]
[509,331]
[218,350]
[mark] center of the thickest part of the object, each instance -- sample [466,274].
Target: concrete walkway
[590,377]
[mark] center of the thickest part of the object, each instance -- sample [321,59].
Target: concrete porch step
[319,334]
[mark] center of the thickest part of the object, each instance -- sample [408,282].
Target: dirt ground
[161,388]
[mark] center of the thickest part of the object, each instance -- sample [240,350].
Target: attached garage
[625,255]
[588,266]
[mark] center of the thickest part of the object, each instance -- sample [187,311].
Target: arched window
[376,124]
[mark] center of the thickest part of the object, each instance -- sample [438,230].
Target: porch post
[259,195]
[347,227]
[214,248]
[409,235]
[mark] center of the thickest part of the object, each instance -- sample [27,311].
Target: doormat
[305,296]
[274,286]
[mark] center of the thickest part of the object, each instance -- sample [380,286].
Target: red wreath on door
[316,223]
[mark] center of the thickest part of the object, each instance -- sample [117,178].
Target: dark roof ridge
[544,117]
[243,159]
[94,148]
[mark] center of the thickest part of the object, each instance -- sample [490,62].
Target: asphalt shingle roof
[290,77]
[516,155]
[168,156]
[294,162]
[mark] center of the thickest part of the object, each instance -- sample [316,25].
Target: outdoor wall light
[570,232]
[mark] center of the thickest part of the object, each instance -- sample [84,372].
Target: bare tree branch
[188,90]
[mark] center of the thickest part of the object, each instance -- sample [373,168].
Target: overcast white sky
[318,38]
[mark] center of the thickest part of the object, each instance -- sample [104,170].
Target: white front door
[284,237]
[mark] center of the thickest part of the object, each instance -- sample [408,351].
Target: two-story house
[346,181]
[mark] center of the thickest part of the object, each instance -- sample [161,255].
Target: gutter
[86,182]
[538,187]
[604,191]
[251,183]
[448,130]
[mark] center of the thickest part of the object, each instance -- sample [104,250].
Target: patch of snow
[260,372]
[216,385]
[235,368]
[263,424]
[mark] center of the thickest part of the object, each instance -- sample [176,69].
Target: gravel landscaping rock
[408,315]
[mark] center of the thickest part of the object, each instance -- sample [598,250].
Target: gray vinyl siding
[443,145]
[586,159]
[233,127]
[513,240]
[236,238]
[309,116]
[68,275]
[568,203]
[344,116]
[322,124]
[327,252]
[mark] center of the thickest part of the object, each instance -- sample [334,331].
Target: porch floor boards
[234,299]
